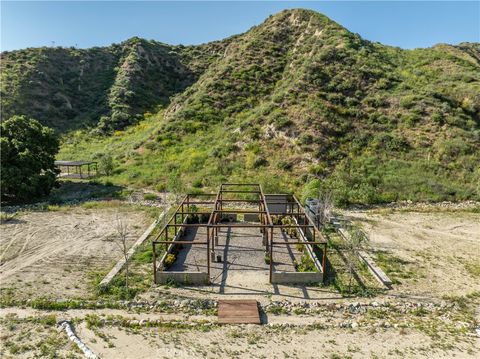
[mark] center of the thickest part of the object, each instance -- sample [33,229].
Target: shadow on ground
[70,192]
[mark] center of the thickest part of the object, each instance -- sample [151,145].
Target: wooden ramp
[241,311]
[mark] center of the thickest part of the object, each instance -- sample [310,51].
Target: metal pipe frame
[233,210]
[266,225]
[179,242]
[200,202]
[299,242]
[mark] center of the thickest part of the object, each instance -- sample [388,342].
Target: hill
[111,87]
[298,103]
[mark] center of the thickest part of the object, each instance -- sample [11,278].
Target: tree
[120,240]
[355,242]
[175,185]
[324,208]
[28,152]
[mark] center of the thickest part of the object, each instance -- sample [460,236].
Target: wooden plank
[241,311]
[376,271]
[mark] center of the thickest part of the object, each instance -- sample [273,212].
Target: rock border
[89,354]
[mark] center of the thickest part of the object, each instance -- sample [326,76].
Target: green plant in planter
[305,265]
[170,259]
[288,221]
[276,220]
[300,247]
[267,258]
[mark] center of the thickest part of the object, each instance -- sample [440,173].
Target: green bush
[150,197]
[284,165]
[259,161]
[28,152]
[105,165]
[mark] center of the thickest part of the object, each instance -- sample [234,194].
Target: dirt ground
[431,256]
[56,253]
[115,333]
[439,251]
[262,342]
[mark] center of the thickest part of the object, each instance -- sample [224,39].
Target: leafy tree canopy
[28,152]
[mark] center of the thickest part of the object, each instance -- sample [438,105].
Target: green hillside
[297,103]
[110,88]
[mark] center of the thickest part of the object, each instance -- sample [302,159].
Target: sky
[407,24]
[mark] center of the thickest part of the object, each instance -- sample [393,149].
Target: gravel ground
[242,252]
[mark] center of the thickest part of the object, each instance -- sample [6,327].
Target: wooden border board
[238,311]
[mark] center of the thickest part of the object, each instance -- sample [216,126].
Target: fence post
[208,254]
[154,263]
[271,254]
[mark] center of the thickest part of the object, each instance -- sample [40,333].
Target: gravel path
[243,256]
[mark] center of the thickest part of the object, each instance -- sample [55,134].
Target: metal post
[208,254]
[166,237]
[154,264]
[209,235]
[324,261]
[183,219]
[262,217]
[271,255]
[175,221]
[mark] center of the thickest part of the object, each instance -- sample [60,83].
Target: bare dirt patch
[435,254]
[249,341]
[54,253]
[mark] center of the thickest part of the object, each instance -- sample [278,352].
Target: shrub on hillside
[106,165]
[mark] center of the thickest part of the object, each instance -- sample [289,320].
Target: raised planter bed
[280,277]
[164,276]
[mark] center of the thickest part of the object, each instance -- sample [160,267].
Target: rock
[354,325]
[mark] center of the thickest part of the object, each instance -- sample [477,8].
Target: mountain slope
[360,114]
[111,87]
[297,102]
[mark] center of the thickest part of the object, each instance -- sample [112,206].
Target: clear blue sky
[406,24]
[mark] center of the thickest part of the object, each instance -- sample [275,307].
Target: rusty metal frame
[266,225]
